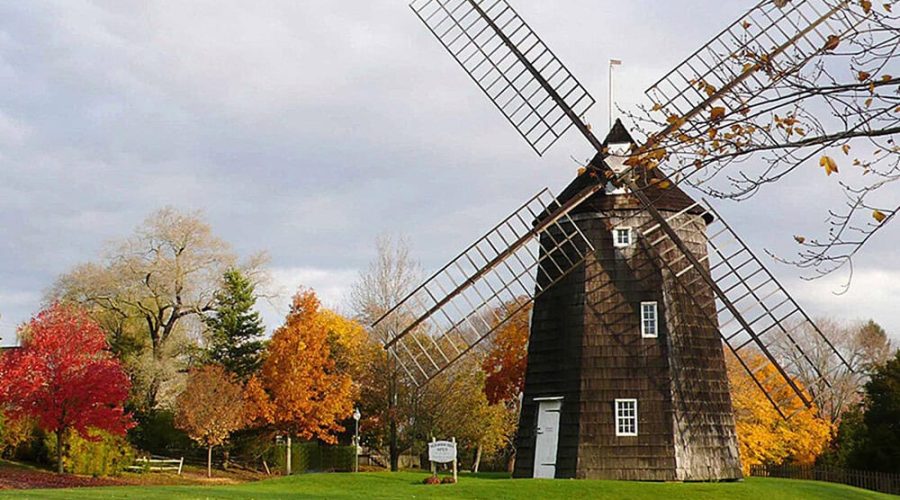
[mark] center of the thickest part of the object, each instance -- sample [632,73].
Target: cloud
[874,290]
[12,132]
[14,310]
[306,129]
[331,285]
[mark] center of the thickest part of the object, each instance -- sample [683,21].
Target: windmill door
[547,437]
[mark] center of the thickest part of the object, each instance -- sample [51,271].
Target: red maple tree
[64,377]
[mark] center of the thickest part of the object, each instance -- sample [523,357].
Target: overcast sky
[307,127]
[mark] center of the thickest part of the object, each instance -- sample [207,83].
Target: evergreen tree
[880,447]
[235,329]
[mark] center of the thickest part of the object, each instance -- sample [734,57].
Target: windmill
[635,286]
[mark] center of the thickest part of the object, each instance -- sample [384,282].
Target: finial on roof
[618,134]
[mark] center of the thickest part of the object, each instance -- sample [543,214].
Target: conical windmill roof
[669,199]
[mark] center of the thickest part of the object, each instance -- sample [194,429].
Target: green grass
[373,486]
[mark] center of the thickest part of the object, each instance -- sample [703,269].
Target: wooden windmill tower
[637,288]
[626,373]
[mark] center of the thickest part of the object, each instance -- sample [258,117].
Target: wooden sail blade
[536,93]
[459,306]
[772,337]
[772,40]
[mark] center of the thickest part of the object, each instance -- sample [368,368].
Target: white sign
[442,452]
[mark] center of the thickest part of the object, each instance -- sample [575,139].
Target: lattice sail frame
[478,34]
[510,266]
[542,100]
[748,57]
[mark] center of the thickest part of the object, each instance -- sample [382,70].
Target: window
[616,156]
[649,322]
[612,189]
[622,237]
[617,153]
[626,417]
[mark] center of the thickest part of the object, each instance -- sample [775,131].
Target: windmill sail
[510,64]
[458,307]
[772,40]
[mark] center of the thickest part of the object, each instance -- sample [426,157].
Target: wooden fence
[157,464]
[883,482]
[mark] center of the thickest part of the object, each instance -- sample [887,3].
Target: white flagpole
[612,62]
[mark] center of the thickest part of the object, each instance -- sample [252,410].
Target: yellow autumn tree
[303,393]
[347,340]
[764,437]
[455,405]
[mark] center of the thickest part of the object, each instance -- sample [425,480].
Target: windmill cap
[672,199]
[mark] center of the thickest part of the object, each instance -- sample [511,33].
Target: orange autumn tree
[303,393]
[507,358]
[764,437]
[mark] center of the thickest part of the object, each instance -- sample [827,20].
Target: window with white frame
[621,237]
[617,154]
[612,189]
[649,320]
[626,417]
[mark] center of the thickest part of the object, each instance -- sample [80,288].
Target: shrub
[103,455]
[14,435]
[311,456]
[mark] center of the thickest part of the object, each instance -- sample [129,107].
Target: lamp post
[356,416]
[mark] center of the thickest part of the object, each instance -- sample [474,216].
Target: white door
[546,440]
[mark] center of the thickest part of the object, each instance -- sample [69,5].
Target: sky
[306,128]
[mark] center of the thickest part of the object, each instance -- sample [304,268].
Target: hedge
[106,455]
[312,456]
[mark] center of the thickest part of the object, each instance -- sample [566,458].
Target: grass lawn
[378,485]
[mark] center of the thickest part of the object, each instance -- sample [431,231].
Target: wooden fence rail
[883,482]
[157,464]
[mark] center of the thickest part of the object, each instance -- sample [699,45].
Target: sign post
[454,460]
[442,452]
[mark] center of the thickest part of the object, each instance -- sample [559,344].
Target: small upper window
[622,237]
[649,320]
[616,156]
[612,189]
[626,417]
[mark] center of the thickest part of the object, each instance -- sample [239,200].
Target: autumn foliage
[303,393]
[764,436]
[65,377]
[211,407]
[506,361]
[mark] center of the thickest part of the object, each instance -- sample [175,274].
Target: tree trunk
[477,459]
[393,438]
[394,447]
[59,451]
[287,460]
[209,461]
